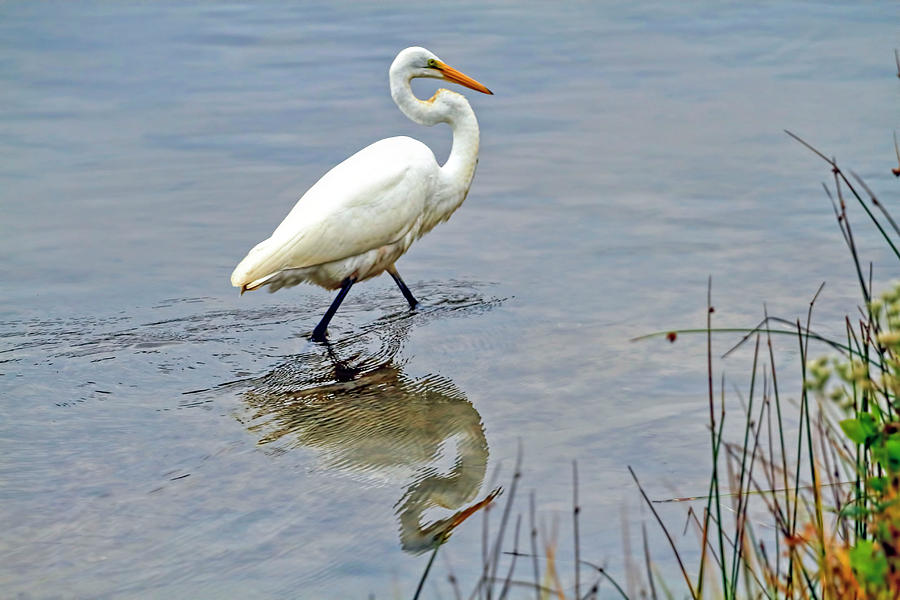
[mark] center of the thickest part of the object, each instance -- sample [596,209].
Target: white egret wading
[362,215]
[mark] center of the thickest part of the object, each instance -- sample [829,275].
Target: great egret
[362,215]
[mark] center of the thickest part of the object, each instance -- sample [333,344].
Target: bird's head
[420,62]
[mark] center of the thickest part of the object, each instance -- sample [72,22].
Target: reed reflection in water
[364,414]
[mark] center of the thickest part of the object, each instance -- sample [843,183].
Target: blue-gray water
[161,436]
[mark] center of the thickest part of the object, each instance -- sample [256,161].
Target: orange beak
[451,74]
[468,512]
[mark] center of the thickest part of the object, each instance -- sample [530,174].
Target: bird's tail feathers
[256,268]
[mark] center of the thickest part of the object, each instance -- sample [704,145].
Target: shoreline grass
[808,513]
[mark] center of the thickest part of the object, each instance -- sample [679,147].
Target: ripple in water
[362,414]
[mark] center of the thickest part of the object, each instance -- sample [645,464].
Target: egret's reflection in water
[370,416]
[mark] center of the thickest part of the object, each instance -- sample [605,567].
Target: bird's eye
[432,63]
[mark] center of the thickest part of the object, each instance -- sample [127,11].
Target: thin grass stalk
[759,328]
[780,528]
[666,592]
[712,551]
[775,507]
[607,576]
[451,578]
[647,562]
[713,495]
[810,585]
[804,422]
[714,447]
[875,201]
[704,542]
[872,330]
[838,173]
[425,574]
[771,579]
[837,346]
[896,170]
[817,498]
[870,345]
[687,579]
[550,552]
[739,545]
[817,490]
[575,510]
[485,556]
[748,570]
[750,481]
[794,562]
[784,469]
[512,564]
[495,554]
[454,583]
[832,475]
[592,592]
[839,216]
[631,580]
[534,556]
[851,241]
[539,589]
[731,545]
[840,462]
[718,498]
[862,467]
[739,523]
[862,203]
[862,454]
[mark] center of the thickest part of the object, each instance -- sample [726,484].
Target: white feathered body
[362,215]
[355,222]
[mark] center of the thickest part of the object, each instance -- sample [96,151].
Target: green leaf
[860,430]
[868,424]
[887,504]
[892,450]
[878,484]
[854,430]
[869,563]
[853,511]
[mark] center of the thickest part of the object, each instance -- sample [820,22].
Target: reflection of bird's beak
[457,519]
[451,74]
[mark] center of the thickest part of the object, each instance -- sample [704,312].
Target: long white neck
[451,108]
[450,490]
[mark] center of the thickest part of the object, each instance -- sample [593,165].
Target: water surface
[163,437]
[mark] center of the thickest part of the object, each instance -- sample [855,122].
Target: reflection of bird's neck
[449,491]
[451,108]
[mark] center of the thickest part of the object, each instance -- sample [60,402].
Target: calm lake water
[162,437]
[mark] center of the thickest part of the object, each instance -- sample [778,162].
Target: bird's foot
[318,335]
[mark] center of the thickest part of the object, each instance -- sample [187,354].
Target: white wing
[370,200]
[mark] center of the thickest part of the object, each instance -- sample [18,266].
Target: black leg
[342,371]
[406,293]
[318,334]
